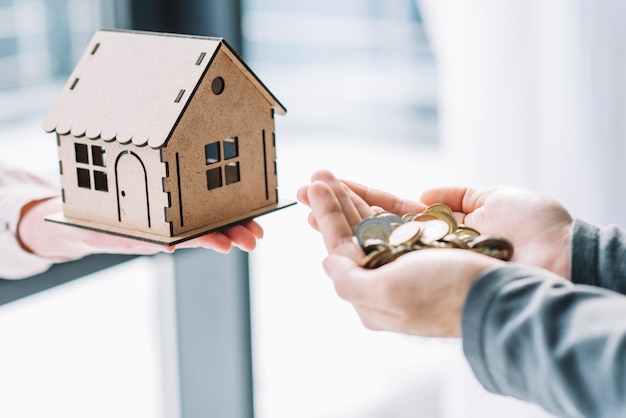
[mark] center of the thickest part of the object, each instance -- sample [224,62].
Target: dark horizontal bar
[58,274]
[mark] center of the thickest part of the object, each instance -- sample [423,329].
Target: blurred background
[397,94]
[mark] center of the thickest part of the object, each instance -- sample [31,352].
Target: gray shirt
[532,335]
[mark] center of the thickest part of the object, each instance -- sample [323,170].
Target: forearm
[17,190]
[530,334]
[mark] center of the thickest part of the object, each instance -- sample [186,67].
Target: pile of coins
[386,236]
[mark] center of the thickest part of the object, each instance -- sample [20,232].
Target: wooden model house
[164,137]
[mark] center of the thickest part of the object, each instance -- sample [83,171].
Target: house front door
[131,182]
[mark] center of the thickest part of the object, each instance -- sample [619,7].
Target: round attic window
[217,86]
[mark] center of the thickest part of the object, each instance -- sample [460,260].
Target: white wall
[532,94]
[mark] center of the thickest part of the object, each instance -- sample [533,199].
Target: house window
[227,172]
[83,178]
[82,153]
[232,173]
[214,178]
[100,181]
[98,156]
[231,148]
[212,153]
[85,169]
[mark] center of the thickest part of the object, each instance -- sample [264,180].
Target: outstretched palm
[538,226]
[402,296]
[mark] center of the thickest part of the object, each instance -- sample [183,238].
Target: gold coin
[424,217]
[441,244]
[406,234]
[443,216]
[439,207]
[491,242]
[464,229]
[395,253]
[435,229]
[493,252]
[420,245]
[466,238]
[374,259]
[455,241]
[390,216]
[386,236]
[488,243]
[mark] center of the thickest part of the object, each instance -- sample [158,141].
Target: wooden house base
[164,240]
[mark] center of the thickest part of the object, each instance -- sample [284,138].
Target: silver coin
[373,228]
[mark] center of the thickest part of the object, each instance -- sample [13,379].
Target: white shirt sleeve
[17,188]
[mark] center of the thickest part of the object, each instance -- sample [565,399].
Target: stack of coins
[386,236]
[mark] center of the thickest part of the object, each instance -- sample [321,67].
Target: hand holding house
[164,137]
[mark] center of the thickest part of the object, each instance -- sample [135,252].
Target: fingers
[254,228]
[362,207]
[358,201]
[217,241]
[451,196]
[363,210]
[313,222]
[332,222]
[302,195]
[242,237]
[459,199]
[387,201]
[349,209]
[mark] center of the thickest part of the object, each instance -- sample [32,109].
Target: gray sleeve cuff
[584,262]
[599,256]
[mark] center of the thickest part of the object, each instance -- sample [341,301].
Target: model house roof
[132,86]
